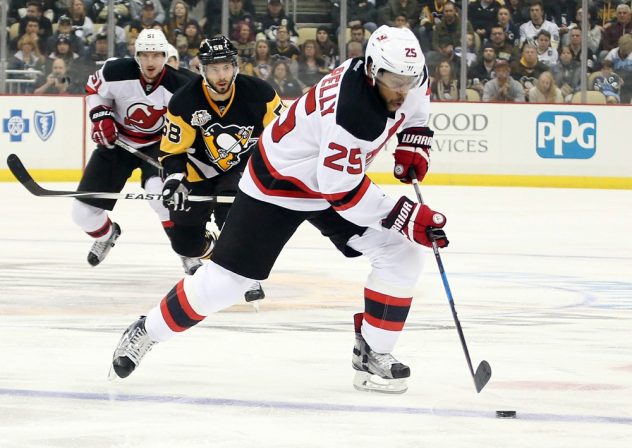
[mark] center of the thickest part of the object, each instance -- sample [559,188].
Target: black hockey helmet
[217,49]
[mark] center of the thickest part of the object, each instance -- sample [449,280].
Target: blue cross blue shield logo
[44,124]
[15,125]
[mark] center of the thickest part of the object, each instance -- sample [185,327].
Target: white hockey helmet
[173,53]
[151,40]
[396,50]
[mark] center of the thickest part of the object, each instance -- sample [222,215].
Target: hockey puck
[505,414]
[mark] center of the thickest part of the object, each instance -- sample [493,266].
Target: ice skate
[377,372]
[254,292]
[100,249]
[190,264]
[131,349]
[211,241]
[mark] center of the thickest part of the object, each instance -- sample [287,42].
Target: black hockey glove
[175,193]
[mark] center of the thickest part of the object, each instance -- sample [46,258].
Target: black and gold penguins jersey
[204,138]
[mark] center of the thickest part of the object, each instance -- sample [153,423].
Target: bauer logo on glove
[104,130]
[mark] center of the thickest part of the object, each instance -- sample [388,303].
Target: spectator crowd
[517,50]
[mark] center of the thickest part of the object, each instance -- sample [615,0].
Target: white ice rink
[542,281]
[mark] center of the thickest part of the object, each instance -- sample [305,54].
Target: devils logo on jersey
[145,118]
[224,144]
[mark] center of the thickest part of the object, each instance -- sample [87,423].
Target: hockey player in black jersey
[127,100]
[310,165]
[212,126]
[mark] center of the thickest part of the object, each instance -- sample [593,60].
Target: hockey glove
[412,152]
[104,131]
[174,192]
[417,222]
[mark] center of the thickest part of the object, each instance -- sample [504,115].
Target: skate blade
[367,382]
[255,305]
[112,374]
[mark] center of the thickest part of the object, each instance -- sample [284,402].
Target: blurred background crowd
[517,50]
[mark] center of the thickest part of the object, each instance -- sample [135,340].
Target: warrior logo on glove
[417,222]
[412,152]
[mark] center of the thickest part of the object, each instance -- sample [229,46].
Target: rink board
[475,143]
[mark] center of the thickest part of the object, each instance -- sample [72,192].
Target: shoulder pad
[120,69]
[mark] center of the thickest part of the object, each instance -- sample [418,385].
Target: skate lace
[384,360]
[99,246]
[255,286]
[139,345]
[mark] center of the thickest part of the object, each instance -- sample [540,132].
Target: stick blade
[17,168]
[23,176]
[482,375]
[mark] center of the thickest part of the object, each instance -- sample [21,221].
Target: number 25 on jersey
[334,161]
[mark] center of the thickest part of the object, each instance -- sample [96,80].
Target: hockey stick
[483,371]
[22,175]
[141,155]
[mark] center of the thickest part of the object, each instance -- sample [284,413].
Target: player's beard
[221,90]
[395,103]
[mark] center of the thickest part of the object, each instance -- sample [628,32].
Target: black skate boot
[192,264]
[131,349]
[376,372]
[254,292]
[100,249]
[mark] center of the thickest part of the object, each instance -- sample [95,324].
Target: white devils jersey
[138,106]
[315,155]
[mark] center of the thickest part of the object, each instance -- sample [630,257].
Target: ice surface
[542,281]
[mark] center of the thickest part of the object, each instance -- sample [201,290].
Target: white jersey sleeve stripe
[344,201]
[269,181]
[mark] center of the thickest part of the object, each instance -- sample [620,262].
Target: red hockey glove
[417,222]
[412,152]
[104,130]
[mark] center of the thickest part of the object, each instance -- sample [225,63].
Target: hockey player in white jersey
[127,100]
[311,166]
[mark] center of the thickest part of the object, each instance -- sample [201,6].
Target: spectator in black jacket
[327,48]
[482,15]
[528,69]
[64,26]
[483,70]
[512,31]
[504,49]
[34,11]
[359,12]
[275,17]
